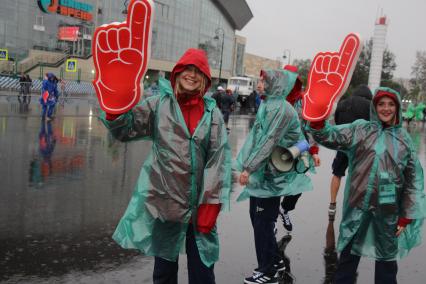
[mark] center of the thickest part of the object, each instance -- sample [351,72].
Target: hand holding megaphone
[283,158]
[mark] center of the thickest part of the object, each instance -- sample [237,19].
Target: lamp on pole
[221,50]
[287,56]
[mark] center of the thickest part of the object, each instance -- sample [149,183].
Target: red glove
[314,150]
[329,77]
[317,125]
[110,116]
[206,218]
[120,55]
[403,222]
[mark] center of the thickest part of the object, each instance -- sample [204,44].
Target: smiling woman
[191,81]
[387,107]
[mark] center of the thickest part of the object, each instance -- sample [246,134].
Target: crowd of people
[186,180]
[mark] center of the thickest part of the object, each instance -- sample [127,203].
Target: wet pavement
[66,183]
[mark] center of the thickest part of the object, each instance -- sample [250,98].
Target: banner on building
[68,33]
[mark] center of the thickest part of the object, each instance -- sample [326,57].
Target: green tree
[303,66]
[418,82]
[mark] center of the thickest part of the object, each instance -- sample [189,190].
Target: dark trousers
[263,215]
[47,108]
[385,271]
[225,114]
[166,272]
[289,202]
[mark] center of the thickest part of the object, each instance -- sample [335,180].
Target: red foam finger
[139,21]
[334,63]
[112,39]
[318,63]
[102,40]
[326,63]
[124,38]
[348,52]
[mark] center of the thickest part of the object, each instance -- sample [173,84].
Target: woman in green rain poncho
[277,124]
[384,202]
[186,178]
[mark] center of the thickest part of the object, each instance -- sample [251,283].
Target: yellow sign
[71,65]
[4,55]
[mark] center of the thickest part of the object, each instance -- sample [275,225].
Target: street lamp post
[289,55]
[221,50]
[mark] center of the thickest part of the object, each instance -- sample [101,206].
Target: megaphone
[283,158]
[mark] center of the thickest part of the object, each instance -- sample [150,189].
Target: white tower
[379,44]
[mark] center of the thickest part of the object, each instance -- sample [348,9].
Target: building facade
[254,63]
[178,25]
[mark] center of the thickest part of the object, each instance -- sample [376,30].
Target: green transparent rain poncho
[410,112]
[180,173]
[276,124]
[385,181]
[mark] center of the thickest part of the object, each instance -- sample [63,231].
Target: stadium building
[39,36]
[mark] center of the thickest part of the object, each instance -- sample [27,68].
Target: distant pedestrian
[227,105]
[49,96]
[22,80]
[217,96]
[28,85]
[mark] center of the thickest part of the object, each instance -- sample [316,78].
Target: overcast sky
[308,26]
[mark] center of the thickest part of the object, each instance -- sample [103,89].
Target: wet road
[65,184]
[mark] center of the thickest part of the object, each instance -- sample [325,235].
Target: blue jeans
[263,215]
[166,272]
[385,271]
[48,108]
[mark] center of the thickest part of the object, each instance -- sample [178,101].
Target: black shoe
[286,220]
[262,278]
[280,266]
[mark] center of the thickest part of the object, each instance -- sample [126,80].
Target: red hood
[196,57]
[296,92]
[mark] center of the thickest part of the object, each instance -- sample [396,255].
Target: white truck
[242,87]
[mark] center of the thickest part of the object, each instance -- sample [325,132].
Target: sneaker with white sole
[279,266]
[286,220]
[262,278]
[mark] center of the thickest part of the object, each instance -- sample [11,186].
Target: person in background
[49,96]
[227,104]
[22,80]
[384,203]
[218,95]
[349,109]
[28,85]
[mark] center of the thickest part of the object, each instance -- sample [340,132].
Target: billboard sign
[68,33]
[70,8]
